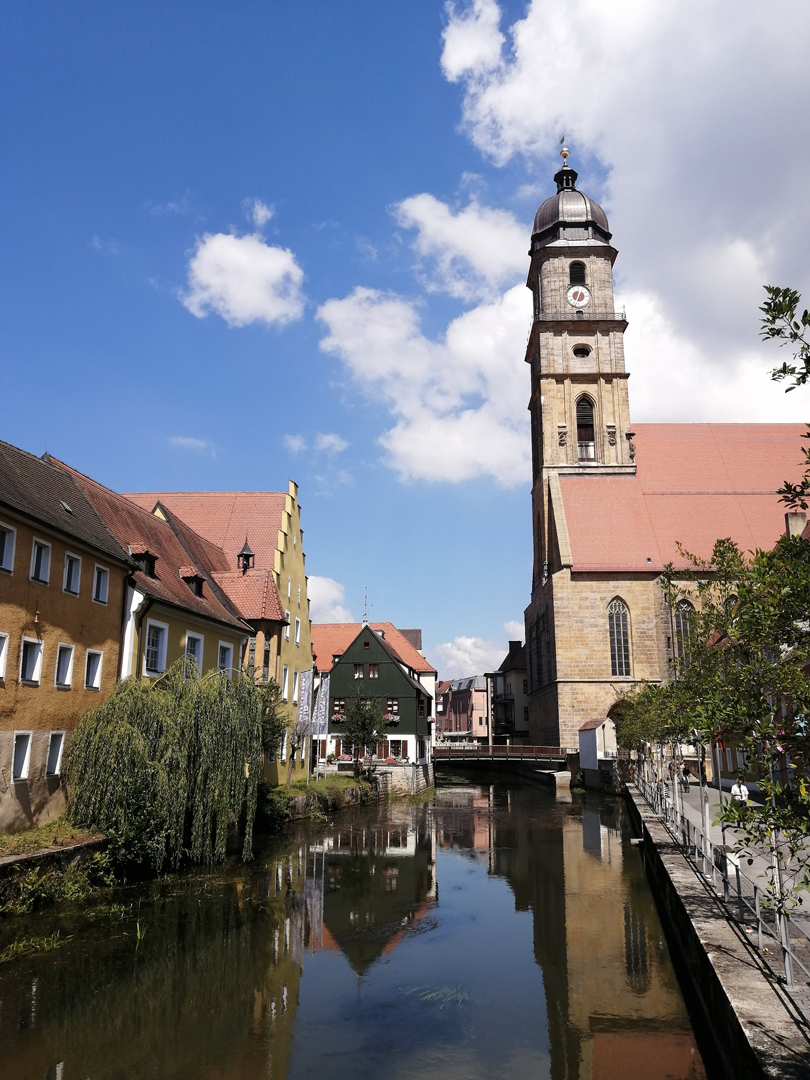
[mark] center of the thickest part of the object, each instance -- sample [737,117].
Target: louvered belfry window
[576,273]
[585,430]
[619,630]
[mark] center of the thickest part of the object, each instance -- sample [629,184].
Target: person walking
[739,791]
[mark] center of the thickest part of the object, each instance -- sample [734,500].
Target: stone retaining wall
[755,1027]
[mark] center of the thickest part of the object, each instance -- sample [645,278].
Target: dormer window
[576,274]
[145,560]
[193,579]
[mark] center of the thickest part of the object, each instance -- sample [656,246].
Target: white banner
[320,715]
[304,698]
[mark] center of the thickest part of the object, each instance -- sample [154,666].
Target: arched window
[619,632]
[576,273]
[682,619]
[585,431]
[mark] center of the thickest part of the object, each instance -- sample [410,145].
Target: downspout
[128,584]
[139,661]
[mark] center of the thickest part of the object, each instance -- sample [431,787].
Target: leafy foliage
[162,767]
[364,726]
[745,678]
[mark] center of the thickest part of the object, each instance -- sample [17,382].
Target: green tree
[364,726]
[163,767]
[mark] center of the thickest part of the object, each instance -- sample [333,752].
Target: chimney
[795,523]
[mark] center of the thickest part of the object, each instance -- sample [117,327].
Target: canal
[489,932]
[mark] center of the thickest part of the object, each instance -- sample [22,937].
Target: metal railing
[735,889]
[510,753]
[571,315]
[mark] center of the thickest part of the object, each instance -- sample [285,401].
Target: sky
[251,242]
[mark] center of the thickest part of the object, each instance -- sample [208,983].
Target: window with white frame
[297,631]
[101,584]
[225,656]
[31,661]
[56,744]
[295,686]
[299,596]
[285,682]
[194,649]
[289,588]
[92,670]
[3,654]
[21,758]
[41,562]
[154,657]
[72,575]
[287,626]
[64,666]
[8,539]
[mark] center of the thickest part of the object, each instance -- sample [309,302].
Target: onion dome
[569,216]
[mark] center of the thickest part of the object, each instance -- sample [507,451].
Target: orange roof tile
[253,593]
[332,639]
[694,484]
[224,518]
[141,531]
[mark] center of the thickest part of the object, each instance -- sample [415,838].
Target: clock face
[578,296]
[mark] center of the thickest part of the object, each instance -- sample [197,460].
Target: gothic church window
[585,430]
[619,633]
[681,618]
[576,273]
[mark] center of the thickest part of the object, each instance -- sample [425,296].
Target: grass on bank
[326,784]
[53,834]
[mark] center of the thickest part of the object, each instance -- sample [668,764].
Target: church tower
[580,415]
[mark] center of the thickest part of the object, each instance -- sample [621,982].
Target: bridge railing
[510,753]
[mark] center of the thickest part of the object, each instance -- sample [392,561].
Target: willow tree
[164,767]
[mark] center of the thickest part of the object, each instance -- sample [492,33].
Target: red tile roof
[332,639]
[224,518]
[694,483]
[253,593]
[136,528]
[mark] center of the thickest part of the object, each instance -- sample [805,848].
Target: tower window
[619,633]
[585,430]
[581,351]
[576,273]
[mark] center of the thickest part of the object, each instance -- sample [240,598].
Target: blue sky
[255,241]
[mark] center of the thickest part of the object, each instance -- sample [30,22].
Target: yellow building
[271,592]
[62,581]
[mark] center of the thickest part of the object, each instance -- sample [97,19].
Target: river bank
[755,1026]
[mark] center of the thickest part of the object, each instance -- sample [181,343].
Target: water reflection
[334,954]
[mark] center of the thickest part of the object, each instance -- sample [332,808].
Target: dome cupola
[569,217]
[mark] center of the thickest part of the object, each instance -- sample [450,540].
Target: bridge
[551,757]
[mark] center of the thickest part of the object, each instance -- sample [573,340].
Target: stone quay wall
[755,1028]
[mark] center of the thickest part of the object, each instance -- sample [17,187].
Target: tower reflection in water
[215,987]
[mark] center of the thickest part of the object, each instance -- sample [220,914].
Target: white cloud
[326,599]
[295,443]
[466,656]
[188,442]
[330,443]
[244,280]
[459,403]
[105,247]
[514,629]
[472,251]
[260,213]
[696,118]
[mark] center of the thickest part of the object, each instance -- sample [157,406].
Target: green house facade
[370,667]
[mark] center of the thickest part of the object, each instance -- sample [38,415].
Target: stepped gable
[332,639]
[225,518]
[694,484]
[139,531]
